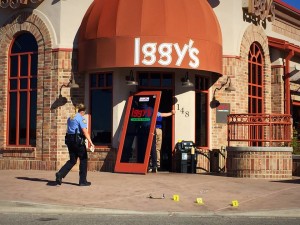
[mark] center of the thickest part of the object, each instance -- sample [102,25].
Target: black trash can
[183,157]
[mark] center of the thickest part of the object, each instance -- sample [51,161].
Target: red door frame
[140,168]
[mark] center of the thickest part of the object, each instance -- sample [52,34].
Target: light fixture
[215,103]
[72,83]
[130,80]
[230,86]
[186,81]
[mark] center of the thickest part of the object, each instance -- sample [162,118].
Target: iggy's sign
[165,54]
[16,3]
[261,8]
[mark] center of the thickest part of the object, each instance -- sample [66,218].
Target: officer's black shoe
[85,184]
[154,170]
[58,178]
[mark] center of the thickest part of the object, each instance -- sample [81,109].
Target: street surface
[98,219]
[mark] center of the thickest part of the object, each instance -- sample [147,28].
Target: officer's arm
[87,135]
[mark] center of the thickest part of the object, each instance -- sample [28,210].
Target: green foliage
[295,143]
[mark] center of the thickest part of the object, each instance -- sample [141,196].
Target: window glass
[24,43]
[23,118]
[13,84]
[93,80]
[12,118]
[24,65]
[167,80]
[155,79]
[33,83]
[201,119]
[34,64]
[101,108]
[101,80]
[13,66]
[23,83]
[32,123]
[143,79]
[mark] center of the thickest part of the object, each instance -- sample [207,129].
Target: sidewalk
[116,193]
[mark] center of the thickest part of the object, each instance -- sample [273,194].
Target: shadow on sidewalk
[294,181]
[49,182]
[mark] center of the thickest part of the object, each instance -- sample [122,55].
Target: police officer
[75,140]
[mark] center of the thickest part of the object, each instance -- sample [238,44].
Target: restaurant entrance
[163,82]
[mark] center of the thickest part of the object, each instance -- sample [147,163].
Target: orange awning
[150,33]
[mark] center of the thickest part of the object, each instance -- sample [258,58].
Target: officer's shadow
[48,182]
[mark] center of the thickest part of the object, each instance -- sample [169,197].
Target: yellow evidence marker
[199,201]
[235,203]
[176,198]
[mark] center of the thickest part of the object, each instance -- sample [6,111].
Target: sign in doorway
[137,133]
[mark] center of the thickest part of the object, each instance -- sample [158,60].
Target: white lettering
[137,44]
[149,50]
[165,51]
[180,53]
[192,53]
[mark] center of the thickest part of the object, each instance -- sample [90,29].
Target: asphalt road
[102,219]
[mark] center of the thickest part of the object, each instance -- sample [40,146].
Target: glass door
[137,133]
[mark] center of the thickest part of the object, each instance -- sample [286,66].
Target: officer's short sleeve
[82,122]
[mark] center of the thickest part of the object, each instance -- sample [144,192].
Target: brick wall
[269,164]
[277,90]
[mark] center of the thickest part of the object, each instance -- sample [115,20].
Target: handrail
[257,129]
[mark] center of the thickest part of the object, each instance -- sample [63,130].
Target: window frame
[18,90]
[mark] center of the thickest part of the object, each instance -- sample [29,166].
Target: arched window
[255,90]
[255,80]
[22,91]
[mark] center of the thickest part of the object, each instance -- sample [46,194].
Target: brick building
[47,46]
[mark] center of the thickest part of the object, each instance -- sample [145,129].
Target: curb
[30,207]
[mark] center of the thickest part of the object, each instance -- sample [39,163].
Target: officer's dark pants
[76,151]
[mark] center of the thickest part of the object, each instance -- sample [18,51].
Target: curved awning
[150,33]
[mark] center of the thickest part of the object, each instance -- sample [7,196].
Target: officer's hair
[80,107]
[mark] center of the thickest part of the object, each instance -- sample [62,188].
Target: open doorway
[163,82]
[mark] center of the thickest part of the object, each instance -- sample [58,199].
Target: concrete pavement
[36,191]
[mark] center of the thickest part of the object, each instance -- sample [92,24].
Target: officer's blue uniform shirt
[78,122]
[158,120]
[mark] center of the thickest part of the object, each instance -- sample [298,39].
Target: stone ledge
[260,149]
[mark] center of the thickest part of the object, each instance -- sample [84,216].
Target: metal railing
[259,129]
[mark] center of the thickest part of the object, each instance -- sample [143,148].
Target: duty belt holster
[75,138]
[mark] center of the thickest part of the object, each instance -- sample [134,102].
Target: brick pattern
[259,164]
[102,160]
[19,164]
[277,90]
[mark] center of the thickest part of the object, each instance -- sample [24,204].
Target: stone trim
[260,149]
